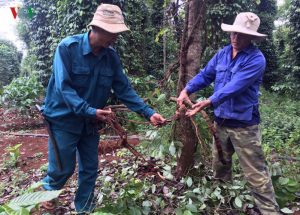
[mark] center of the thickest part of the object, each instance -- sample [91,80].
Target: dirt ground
[32,135]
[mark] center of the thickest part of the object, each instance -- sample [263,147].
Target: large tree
[190,54]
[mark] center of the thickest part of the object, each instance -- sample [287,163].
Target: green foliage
[140,53]
[280,132]
[23,204]
[10,60]
[121,193]
[48,26]
[294,33]
[280,128]
[34,198]
[14,154]
[28,65]
[287,39]
[124,190]
[280,123]
[266,10]
[285,189]
[21,94]
[138,50]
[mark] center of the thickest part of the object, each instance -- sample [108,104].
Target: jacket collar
[86,48]
[249,49]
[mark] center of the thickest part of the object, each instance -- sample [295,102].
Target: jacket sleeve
[249,73]
[127,94]
[205,77]
[62,67]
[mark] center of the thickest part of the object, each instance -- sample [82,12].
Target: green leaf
[131,191]
[161,97]
[217,193]
[189,182]
[283,181]
[153,188]
[160,34]
[11,211]
[172,149]
[236,187]
[286,211]
[192,208]
[24,211]
[186,212]
[238,202]
[147,204]
[168,175]
[33,198]
[203,206]
[178,211]
[197,190]
[135,211]
[34,186]
[101,213]
[8,210]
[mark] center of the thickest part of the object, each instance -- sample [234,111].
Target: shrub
[10,60]
[21,94]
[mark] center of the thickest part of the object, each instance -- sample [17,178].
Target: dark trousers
[70,146]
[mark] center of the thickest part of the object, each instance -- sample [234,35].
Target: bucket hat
[109,17]
[245,23]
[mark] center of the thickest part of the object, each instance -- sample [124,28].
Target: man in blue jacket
[85,70]
[237,72]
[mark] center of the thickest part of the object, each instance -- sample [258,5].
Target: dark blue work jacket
[81,82]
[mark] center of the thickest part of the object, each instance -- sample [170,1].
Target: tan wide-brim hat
[245,23]
[109,17]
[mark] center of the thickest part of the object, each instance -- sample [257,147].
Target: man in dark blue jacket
[237,72]
[85,70]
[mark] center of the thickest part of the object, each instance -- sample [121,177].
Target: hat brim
[240,29]
[112,28]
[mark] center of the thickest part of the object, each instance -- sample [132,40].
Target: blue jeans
[86,148]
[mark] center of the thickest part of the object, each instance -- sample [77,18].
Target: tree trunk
[190,54]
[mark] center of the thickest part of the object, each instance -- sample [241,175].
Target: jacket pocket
[220,74]
[105,78]
[234,70]
[80,76]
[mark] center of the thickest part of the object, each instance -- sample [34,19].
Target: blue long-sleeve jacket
[236,82]
[81,82]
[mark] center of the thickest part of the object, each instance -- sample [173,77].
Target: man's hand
[157,119]
[198,107]
[183,96]
[102,114]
